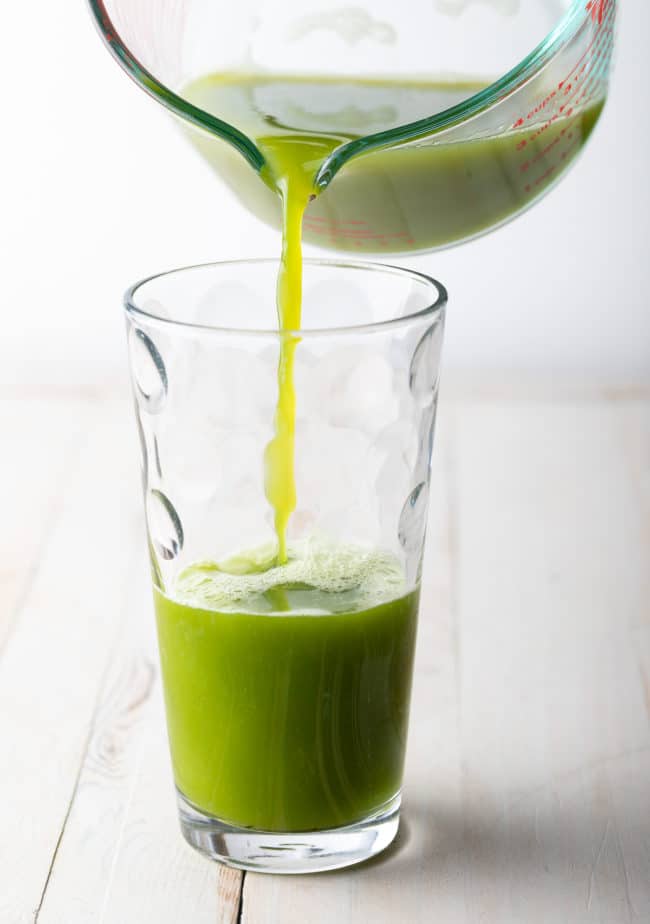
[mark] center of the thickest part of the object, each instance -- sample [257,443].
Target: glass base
[303,852]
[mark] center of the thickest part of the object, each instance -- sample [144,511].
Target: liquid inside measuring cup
[414,197]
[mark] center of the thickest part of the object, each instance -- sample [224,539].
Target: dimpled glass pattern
[203,358]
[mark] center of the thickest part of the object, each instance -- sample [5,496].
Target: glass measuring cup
[451,120]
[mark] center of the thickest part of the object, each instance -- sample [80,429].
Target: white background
[99,188]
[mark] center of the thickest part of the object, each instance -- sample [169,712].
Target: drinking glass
[287,700]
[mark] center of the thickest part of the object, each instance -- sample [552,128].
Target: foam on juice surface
[318,578]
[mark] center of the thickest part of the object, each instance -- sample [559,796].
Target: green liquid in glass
[293,717]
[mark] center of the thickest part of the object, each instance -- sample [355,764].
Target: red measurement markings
[337,231]
[543,153]
[533,112]
[360,236]
[580,93]
[548,173]
[601,37]
[337,225]
[525,167]
[599,9]
[360,231]
[588,89]
[541,130]
[598,47]
[573,93]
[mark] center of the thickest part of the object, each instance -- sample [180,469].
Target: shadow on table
[565,833]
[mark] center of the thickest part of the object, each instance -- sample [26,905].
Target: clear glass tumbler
[287,687]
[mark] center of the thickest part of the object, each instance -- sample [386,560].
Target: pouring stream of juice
[420,195]
[290,172]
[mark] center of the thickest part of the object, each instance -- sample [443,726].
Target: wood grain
[553,577]
[83,870]
[55,657]
[121,857]
[155,875]
[41,438]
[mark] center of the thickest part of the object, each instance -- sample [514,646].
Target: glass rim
[434,309]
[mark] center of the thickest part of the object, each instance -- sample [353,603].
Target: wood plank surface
[528,771]
[58,650]
[40,439]
[553,571]
[121,856]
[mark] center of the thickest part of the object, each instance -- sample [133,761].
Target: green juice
[287,703]
[433,193]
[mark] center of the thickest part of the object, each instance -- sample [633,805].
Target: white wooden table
[528,779]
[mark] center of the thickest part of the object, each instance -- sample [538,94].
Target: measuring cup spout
[437,126]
